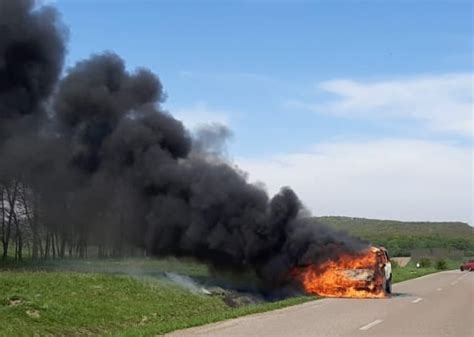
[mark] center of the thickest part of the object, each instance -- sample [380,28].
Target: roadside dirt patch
[14,303]
[33,313]
[402,261]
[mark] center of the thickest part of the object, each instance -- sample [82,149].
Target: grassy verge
[46,301]
[119,298]
[410,271]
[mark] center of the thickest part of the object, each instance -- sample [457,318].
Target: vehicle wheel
[470,269]
[462,268]
[388,285]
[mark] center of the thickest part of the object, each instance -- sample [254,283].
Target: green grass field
[116,298]
[108,298]
[411,271]
[401,237]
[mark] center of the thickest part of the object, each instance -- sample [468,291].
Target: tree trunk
[46,248]
[53,246]
[19,239]
[11,199]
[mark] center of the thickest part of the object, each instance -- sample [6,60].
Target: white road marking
[371,325]
[417,300]
[439,289]
[458,279]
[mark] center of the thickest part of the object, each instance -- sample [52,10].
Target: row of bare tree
[24,231]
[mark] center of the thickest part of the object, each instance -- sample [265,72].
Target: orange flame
[358,276]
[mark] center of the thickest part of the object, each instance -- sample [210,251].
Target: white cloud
[443,103]
[388,179]
[199,114]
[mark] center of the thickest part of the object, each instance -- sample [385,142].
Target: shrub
[441,264]
[425,263]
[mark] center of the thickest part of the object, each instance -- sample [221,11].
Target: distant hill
[370,227]
[401,237]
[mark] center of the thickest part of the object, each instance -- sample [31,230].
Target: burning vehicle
[364,275]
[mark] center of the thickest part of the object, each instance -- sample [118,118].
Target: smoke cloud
[110,165]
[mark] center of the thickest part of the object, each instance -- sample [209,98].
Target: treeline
[26,232]
[23,231]
[402,238]
[406,245]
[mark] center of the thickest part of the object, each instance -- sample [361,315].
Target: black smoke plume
[110,166]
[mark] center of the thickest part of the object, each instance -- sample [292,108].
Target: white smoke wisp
[187,283]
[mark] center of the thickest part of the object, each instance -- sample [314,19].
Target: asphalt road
[440,304]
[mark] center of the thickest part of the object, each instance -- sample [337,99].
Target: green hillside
[402,237]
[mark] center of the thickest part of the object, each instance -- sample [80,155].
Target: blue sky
[375,94]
